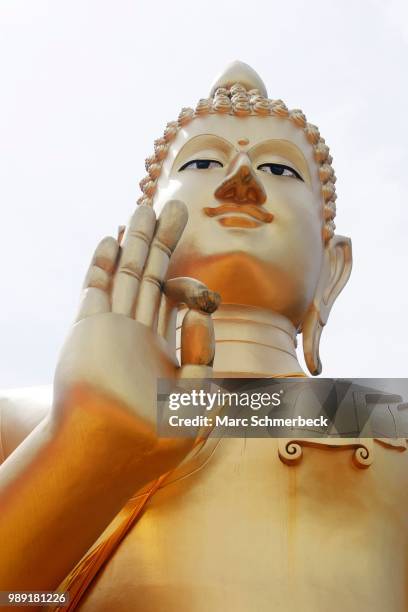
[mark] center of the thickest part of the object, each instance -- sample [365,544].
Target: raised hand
[124,337]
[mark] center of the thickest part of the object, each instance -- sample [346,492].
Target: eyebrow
[203,141]
[272,146]
[283,148]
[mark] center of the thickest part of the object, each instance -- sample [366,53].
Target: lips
[252,210]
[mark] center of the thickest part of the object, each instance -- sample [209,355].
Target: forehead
[272,133]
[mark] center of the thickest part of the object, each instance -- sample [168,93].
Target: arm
[60,489]
[68,479]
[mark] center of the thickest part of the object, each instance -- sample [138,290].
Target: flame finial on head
[239,72]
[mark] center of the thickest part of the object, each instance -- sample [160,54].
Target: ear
[336,269]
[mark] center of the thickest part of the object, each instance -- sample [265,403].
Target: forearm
[63,485]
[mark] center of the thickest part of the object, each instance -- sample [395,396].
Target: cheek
[298,247]
[168,190]
[298,216]
[194,188]
[295,236]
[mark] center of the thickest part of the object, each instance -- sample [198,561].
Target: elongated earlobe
[312,330]
[335,273]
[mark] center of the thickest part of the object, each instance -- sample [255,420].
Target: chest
[241,530]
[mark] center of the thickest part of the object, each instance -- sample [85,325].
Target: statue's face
[255,224]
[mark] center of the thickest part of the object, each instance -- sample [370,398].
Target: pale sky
[86,87]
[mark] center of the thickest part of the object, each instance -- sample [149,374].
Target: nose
[241,185]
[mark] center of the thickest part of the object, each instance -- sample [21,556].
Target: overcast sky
[87,85]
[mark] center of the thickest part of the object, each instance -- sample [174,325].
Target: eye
[280,170]
[201,164]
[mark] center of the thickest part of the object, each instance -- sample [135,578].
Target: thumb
[197,331]
[197,345]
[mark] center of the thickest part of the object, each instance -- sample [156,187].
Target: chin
[243,279]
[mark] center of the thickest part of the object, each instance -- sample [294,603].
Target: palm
[123,340]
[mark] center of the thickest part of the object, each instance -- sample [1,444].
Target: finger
[132,260]
[178,291]
[197,339]
[197,353]
[98,280]
[197,336]
[170,226]
[167,321]
[93,301]
[193,293]
[103,262]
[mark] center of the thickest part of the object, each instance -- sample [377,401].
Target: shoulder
[20,412]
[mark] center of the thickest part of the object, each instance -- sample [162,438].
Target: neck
[253,342]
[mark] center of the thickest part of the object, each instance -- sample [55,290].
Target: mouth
[239,215]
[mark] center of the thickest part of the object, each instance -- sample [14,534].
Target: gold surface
[244,525]
[246,532]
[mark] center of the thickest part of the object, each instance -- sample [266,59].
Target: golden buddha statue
[230,254]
